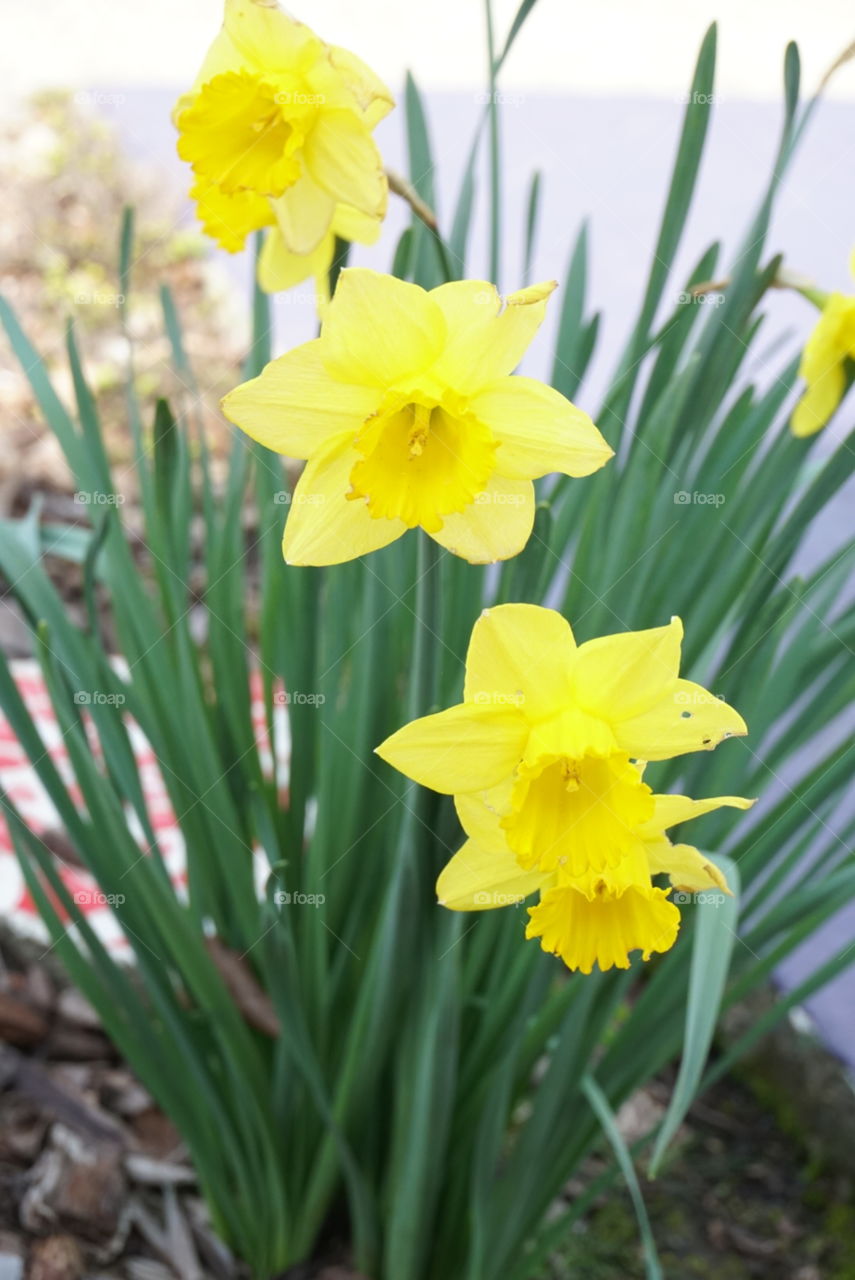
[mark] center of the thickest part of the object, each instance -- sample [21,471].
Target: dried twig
[405,189]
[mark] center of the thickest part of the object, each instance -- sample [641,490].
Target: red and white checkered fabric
[19,781]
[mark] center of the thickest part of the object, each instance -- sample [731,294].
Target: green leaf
[684,179]
[604,1114]
[532,216]
[712,947]
[515,28]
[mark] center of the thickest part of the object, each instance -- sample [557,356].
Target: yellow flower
[408,417]
[541,760]
[823,363]
[277,128]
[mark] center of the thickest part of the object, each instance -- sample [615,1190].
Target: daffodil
[278,130]
[408,416]
[542,759]
[824,360]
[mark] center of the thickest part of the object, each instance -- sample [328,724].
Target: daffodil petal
[464,748]
[222,57]
[819,401]
[480,814]
[486,340]
[304,214]
[264,36]
[343,159]
[478,879]
[539,430]
[520,654]
[379,329]
[295,408]
[280,269]
[323,527]
[571,733]
[372,96]
[822,364]
[352,224]
[496,526]
[671,810]
[689,718]
[687,869]
[230,50]
[620,676]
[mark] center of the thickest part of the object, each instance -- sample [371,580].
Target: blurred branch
[405,189]
[846,56]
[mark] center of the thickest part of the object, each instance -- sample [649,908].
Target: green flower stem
[426,628]
[380,991]
[495,157]
[816,296]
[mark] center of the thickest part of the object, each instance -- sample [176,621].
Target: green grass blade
[604,1114]
[715,935]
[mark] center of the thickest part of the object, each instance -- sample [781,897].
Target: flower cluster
[277,128]
[543,758]
[409,415]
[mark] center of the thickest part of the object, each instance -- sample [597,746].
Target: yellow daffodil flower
[541,760]
[277,128]
[408,416]
[823,363]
